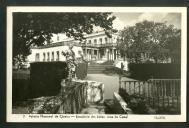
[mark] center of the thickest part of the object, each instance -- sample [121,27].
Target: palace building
[96,46]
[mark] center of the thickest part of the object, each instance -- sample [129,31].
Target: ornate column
[113,54]
[97,54]
[107,56]
[86,52]
[90,54]
[116,53]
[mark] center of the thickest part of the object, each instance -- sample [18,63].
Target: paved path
[111,83]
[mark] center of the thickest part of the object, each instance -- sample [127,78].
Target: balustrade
[160,93]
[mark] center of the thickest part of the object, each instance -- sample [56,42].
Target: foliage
[157,39]
[20,90]
[33,29]
[44,105]
[137,103]
[145,71]
[116,70]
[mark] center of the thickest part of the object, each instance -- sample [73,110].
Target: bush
[150,70]
[45,78]
[137,103]
[20,85]
[21,74]
[115,70]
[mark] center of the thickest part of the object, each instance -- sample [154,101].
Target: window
[52,59]
[100,40]
[84,42]
[57,53]
[44,57]
[37,57]
[106,39]
[89,51]
[95,52]
[95,41]
[89,42]
[48,57]
[58,38]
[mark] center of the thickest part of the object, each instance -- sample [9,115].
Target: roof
[61,43]
[67,41]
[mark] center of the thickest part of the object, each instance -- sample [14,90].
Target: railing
[99,45]
[159,93]
[91,45]
[108,44]
[71,100]
[74,98]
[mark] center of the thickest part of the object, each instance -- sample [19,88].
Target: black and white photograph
[96,64]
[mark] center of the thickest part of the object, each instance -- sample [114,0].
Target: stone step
[96,69]
[95,72]
[100,66]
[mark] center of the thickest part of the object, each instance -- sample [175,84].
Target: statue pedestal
[94,90]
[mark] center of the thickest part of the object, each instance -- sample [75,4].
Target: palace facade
[96,46]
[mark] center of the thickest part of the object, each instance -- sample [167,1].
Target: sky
[129,19]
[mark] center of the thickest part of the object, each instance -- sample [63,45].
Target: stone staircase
[97,68]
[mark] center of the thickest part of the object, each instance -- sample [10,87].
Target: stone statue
[71,62]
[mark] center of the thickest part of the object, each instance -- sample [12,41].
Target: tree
[156,39]
[33,29]
[174,45]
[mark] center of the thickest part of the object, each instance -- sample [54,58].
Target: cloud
[118,24]
[157,17]
[168,18]
[130,19]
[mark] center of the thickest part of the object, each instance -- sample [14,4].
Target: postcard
[96,64]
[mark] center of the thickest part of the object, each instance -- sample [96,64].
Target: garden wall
[158,71]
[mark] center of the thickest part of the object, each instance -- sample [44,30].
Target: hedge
[20,90]
[45,78]
[158,71]
[20,85]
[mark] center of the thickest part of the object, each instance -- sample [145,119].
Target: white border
[131,118]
